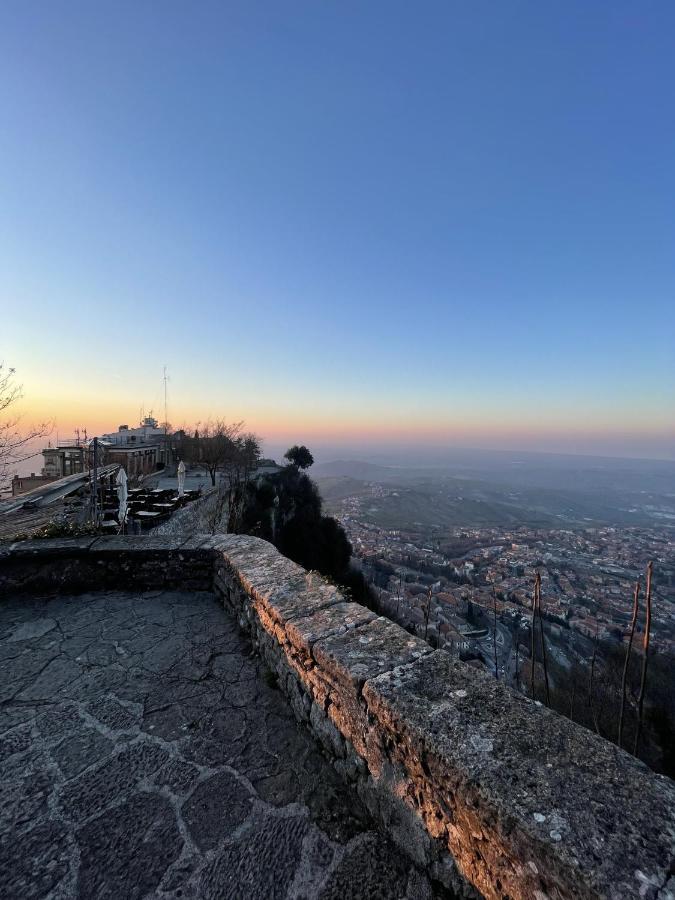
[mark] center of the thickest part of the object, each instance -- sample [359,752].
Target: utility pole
[166,447]
[94,486]
[165,380]
[494,630]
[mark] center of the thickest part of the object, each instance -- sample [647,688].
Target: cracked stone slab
[145,754]
[110,712]
[365,872]
[33,629]
[216,808]
[18,740]
[117,776]
[41,865]
[260,865]
[76,753]
[127,851]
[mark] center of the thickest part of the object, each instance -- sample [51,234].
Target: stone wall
[492,793]
[82,564]
[206,515]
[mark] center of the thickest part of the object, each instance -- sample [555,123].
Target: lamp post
[94,485]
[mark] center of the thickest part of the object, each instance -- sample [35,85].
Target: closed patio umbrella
[181,478]
[122,496]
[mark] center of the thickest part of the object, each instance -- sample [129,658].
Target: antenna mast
[165,380]
[166,445]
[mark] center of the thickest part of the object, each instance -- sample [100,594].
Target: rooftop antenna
[165,379]
[166,449]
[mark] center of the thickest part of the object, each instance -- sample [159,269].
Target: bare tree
[426,614]
[591,680]
[536,611]
[636,599]
[211,446]
[532,633]
[494,631]
[15,443]
[645,655]
[543,642]
[240,464]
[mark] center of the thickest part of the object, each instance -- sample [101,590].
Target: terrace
[150,750]
[146,750]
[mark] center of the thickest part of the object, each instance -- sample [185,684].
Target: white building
[148,432]
[140,450]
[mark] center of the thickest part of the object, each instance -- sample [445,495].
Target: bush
[57,528]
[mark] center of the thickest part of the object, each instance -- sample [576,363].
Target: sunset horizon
[359,228]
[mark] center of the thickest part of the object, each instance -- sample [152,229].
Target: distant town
[486,574]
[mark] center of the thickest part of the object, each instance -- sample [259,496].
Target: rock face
[485,790]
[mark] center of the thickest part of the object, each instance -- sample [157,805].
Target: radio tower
[166,442]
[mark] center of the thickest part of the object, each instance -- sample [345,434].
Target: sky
[347,224]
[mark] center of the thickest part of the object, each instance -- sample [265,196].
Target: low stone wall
[493,794]
[81,564]
[206,515]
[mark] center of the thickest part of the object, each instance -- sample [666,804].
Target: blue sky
[342,221]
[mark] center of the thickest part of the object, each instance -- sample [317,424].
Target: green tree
[286,509]
[300,457]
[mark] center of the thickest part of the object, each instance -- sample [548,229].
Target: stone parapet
[494,794]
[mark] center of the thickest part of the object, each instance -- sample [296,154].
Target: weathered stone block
[345,661]
[135,545]
[210,542]
[353,656]
[533,805]
[51,547]
[304,632]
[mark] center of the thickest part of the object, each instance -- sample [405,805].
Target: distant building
[21,484]
[140,450]
[67,458]
[136,460]
[148,432]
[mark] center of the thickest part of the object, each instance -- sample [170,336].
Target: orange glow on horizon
[277,426]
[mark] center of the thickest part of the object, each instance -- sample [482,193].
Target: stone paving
[145,752]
